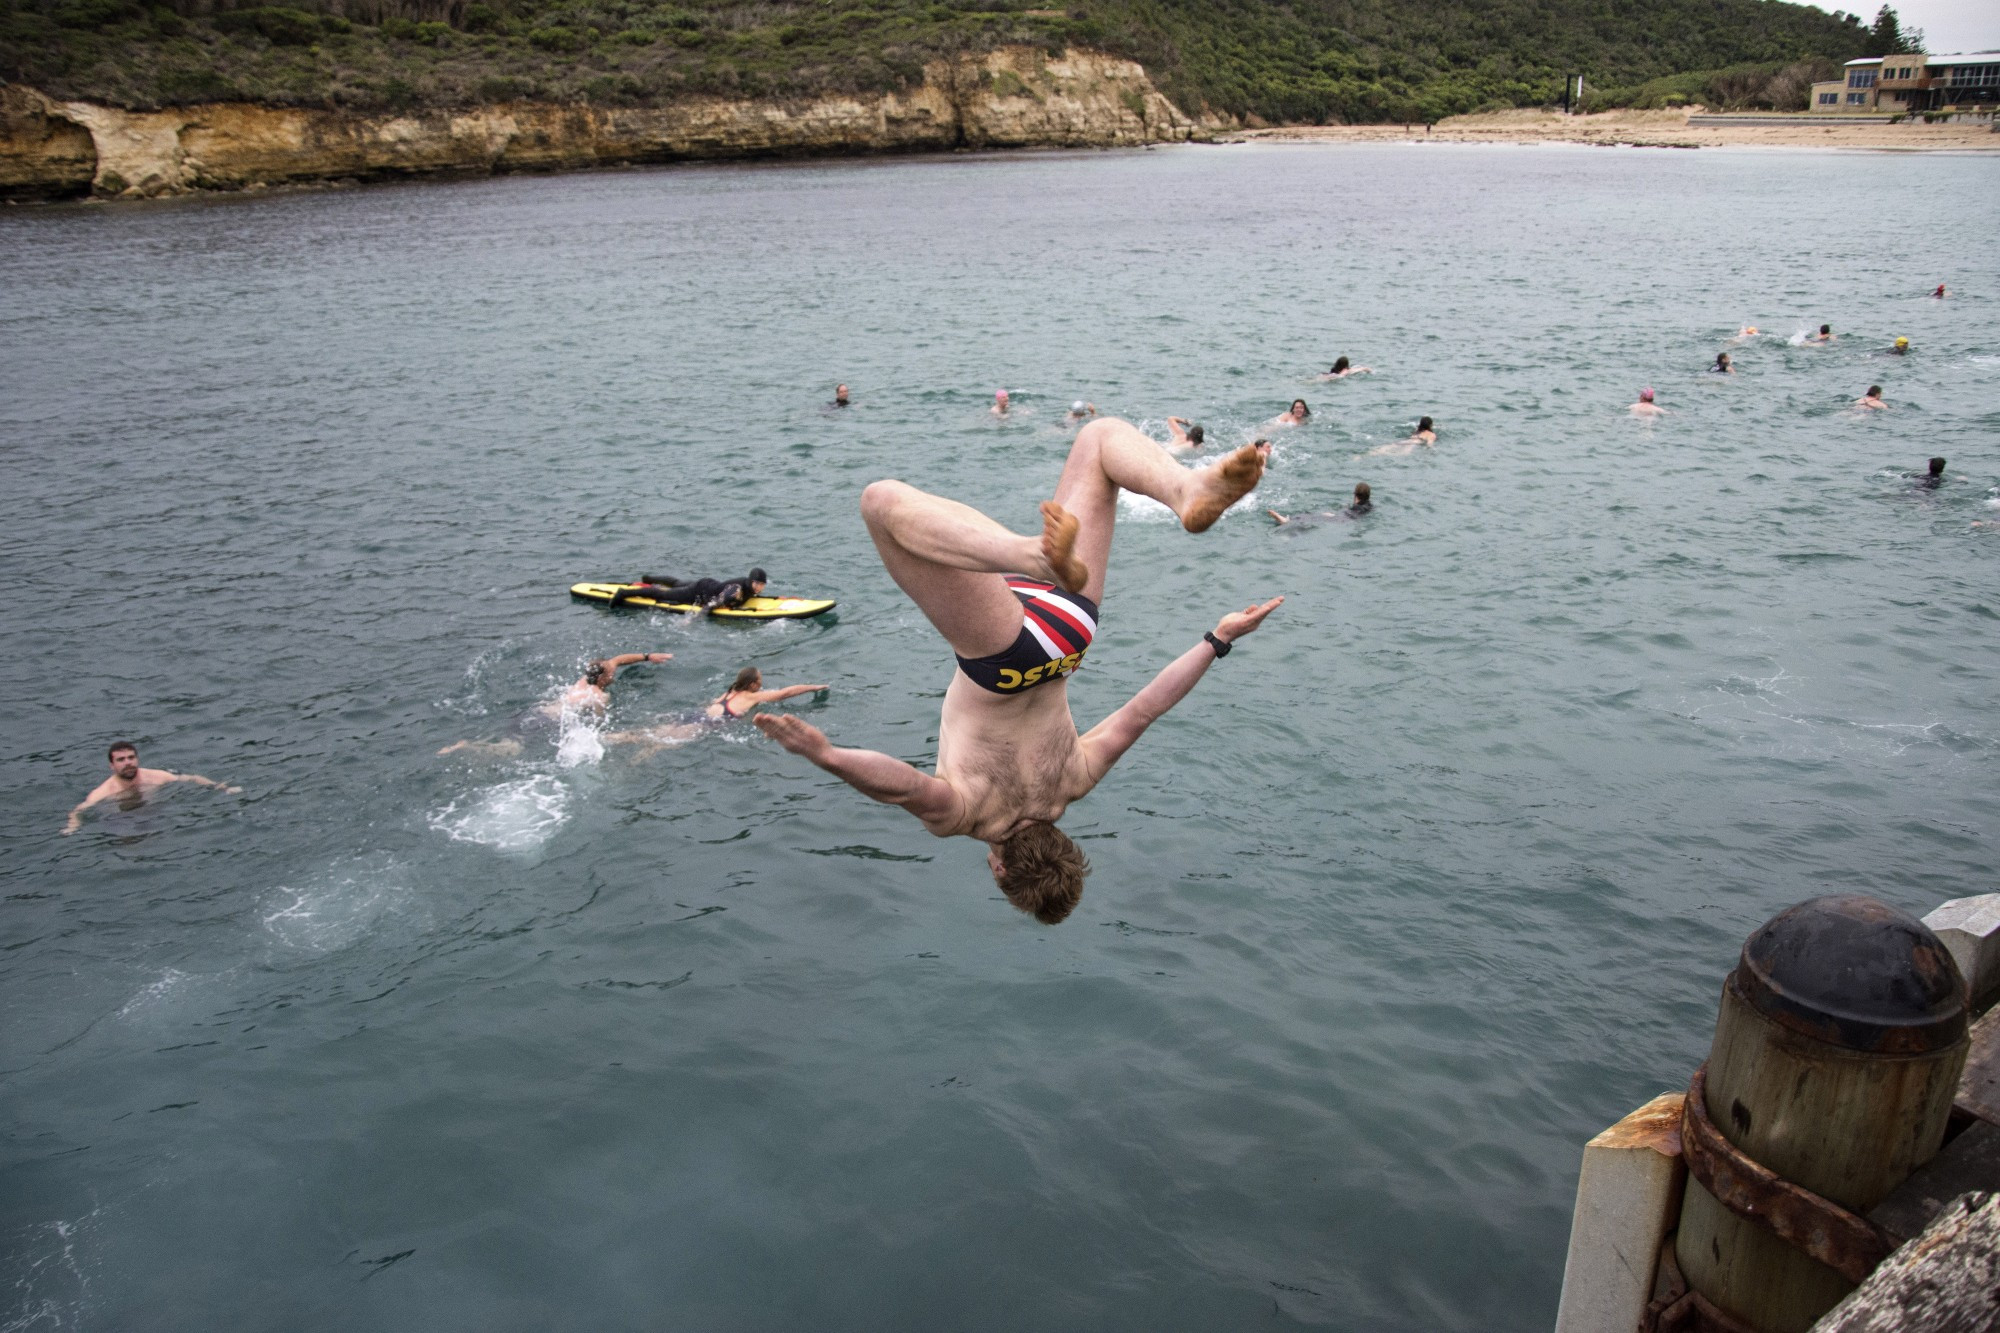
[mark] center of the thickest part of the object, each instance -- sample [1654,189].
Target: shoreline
[1650,129]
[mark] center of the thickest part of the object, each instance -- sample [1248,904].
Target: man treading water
[129,784]
[1020,613]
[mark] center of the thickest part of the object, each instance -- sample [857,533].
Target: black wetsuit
[709,593]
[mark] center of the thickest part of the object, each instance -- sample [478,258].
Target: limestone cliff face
[1011,98]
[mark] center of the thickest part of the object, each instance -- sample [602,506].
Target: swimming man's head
[598,674]
[1645,395]
[1338,366]
[1874,391]
[840,393]
[124,757]
[1196,435]
[1937,467]
[1424,424]
[1040,870]
[1361,492]
[1902,344]
[1826,330]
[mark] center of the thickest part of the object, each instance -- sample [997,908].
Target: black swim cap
[757,576]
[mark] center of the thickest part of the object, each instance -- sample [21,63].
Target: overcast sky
[1950,26]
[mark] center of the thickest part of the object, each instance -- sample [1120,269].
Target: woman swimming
[734,704]
[1722,366]
[1341,370]
[1295,415]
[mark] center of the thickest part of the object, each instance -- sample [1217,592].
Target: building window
[1857,99]
[1861,79]
[1829,99]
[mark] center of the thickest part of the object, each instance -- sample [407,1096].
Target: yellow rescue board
[757,608]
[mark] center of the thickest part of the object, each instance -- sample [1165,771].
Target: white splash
[513,816]
[334,909]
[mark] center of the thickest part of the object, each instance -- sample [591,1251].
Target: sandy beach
[1655,129]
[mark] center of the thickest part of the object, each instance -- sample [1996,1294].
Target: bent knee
[879,497]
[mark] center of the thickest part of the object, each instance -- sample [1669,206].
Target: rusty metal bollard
[1840,1040]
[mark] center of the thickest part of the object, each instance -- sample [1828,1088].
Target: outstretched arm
[1106,743]
[789,692]
[624,660]
[875,775]
[75,820]
[200,781]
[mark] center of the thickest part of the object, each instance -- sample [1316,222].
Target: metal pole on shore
[1840,1040]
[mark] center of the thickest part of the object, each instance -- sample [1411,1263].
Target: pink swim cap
[1001,394]
[1645,395]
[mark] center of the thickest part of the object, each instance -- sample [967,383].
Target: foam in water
[581,740]
[515,816]
[335,908]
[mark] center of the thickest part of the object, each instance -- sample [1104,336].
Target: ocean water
[1435,877]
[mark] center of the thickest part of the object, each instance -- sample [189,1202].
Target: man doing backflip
[1020,613]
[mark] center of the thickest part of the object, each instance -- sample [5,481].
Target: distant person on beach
[1295,415]
[130,785]
[709,594]
[1341,370]
[840,395]
[1872,399]
[737,702]
[1825,335]
[1361,505]
[1019,613]
[1901,347]
[1080,410]
[590,695]
[1184,436]
[999,402]
[1722,365]
[1646,407]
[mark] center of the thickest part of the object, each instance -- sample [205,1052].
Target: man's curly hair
[1042,872]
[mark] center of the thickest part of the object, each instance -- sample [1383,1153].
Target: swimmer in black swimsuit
[589,696]
[1362,505]
[1019,613]
[736,703]
[709,594]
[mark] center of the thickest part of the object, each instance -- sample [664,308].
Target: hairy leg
[949,558]
[1112,455]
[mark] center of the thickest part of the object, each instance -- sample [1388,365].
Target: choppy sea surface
[1432,879]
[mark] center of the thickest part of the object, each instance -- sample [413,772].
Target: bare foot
[794,733]
[1223,485]
[1059,528]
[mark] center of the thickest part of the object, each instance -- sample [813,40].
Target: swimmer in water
[589,695]
[1745,334]
[1080,410]
[1020,612]
[709,594]
[1360,506]
[1825,335]
[735,703]
[130,785]
[1931,480]
[1901,347]
[1722,365]
[1341,370]
[1295,415]
[1646,407]
[999,402]
[1183,436]
[1938,295]
[840,395]
[1871,400]
[1425,436]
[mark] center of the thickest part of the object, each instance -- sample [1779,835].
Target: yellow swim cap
[1902,342]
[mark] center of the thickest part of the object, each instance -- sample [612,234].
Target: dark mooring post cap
[1854,972]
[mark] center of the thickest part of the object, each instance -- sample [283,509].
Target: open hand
[794,733]
[1239,623]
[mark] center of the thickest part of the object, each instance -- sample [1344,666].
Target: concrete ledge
[1626,1200]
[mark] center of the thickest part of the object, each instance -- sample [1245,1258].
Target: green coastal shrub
[275,24]
[557,39]
[481,18]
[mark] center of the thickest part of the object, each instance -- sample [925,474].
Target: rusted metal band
[1821,1228]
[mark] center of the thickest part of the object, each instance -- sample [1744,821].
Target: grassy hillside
[1302,61]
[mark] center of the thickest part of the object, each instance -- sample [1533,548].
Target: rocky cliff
[1017,97]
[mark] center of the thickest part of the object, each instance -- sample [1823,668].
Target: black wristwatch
[1221,646]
